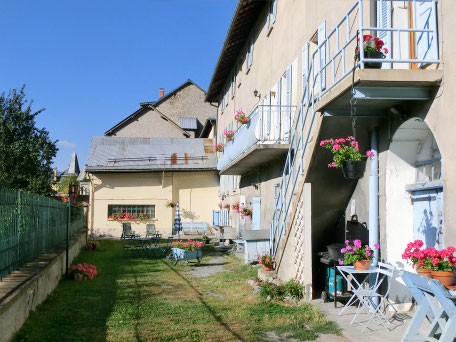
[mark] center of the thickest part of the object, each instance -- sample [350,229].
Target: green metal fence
[31,225]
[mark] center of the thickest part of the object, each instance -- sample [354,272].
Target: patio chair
[127,233]
[436,305]
[151,231]
[372,299]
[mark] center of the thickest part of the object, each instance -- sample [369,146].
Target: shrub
[294,289]
[270,289]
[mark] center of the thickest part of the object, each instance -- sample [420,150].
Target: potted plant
[170,204]
[266,260]
[92,245]
[83,272]
[187,250]
[229,134]
[218,147]
[443,264]
[206,239]
[143,217]
[359,256]
[246,212]
[236,207]
[372,48]
[241,117]
[419,258]
[346,156]
[226,206]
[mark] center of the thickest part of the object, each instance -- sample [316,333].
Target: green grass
[135,299]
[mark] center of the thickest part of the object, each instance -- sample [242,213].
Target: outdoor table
[148,244]
[357,284]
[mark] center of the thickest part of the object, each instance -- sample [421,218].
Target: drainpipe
[373,196]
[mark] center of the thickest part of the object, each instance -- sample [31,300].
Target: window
[272,15]
[233,84]
[131,209]
[249,55]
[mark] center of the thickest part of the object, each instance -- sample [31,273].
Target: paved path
[208,267]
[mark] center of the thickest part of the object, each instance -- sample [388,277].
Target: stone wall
[41,277]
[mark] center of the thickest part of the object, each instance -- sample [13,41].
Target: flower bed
[92,245]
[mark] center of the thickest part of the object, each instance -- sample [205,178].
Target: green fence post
[68,236]
[18,232]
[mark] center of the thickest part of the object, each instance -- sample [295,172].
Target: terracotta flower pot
[362,264]
[229,138]
[268,268]
[246,121]
[424,272]
[446,278]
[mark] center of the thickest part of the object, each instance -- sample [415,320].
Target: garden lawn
[135,299]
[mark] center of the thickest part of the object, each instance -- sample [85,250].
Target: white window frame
[249,55]
[149,209]
[271,16]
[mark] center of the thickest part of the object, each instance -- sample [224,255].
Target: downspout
[373,197]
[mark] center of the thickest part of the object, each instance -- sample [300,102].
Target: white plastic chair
[436,305]
[372,299]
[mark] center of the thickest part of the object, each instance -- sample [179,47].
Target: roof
[244,18]
[124,154]
[148,105]
[210,122]
[73,168]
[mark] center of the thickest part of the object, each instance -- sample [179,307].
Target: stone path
[275,337]
[208,267]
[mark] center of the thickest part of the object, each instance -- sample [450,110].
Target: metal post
[373,196]
[361,33]
[67,237]
[373,16]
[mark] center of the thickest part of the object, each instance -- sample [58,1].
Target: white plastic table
[347,271]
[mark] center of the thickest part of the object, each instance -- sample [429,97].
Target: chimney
[55,174]
[162,93]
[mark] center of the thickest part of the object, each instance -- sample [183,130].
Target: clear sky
[91,62]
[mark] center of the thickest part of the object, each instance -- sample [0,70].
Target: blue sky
[91,62]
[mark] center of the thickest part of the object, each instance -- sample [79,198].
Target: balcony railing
[268,125]
[334,57]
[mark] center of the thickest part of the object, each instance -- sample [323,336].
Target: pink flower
[336,147]
[377,246]
[370,153]
[323,142]
[341,262]
[347,242]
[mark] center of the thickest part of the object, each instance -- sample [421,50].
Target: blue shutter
[304,66]
[322,56]
[426,45]
[215,218]
[224,218]
[384,21]
[256,213]
[274,10]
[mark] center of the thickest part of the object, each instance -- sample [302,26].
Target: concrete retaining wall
[33,284]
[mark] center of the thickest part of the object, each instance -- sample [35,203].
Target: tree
[64,185]
[26,152]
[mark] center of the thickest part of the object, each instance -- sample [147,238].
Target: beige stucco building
[140,175]
[289,65]
[162,152]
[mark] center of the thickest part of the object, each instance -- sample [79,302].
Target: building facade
[291,67]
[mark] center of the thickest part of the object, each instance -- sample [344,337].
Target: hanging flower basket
[241,117]
[346,155]
[229,134]
[353,169]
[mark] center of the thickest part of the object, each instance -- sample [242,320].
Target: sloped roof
[244,18]
[73,168]
[124,154]
[148,105]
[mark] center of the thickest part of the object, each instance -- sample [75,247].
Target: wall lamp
[256,93]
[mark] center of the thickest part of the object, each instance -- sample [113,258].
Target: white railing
[268,124]
[336,62]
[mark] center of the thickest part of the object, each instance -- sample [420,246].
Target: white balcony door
[425,18]
[276,116]
[384,21]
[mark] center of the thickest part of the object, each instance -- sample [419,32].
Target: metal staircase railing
[338,64]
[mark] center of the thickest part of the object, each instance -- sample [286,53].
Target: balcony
[265,138]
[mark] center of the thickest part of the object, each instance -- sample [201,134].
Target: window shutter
[322,56]
[304,66]
[384,21]
[256,213]
[287,121]
[425,41]
[278,117]
[268,17]
[251,52]
[274,11]
[215,218]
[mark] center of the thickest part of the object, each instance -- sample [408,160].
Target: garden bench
[194,227]
[435,304]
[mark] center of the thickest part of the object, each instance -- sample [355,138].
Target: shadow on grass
[205,304]
[78,311]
